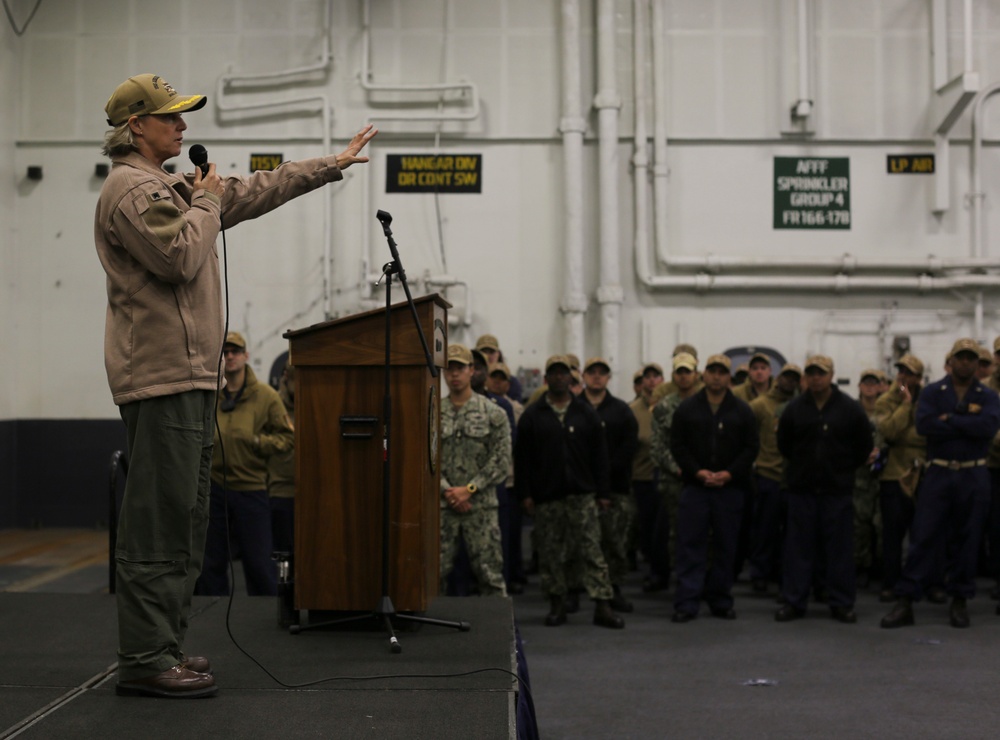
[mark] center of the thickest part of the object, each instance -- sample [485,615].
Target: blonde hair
[118,141]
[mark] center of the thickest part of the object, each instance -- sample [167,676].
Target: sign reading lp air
[812,193]
[909,164]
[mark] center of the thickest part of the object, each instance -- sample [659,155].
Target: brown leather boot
[572,602]
[901,614]
[196,663]
[619,603]
[174,683]
[958,613]
[605,617]
[557,612]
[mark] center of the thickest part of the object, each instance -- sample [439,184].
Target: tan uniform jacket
[767,409]
[896,423]
[746,391]
[281,465]
[156,241]
[642,464]
[252,432]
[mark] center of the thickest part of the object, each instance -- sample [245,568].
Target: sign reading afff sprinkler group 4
[434,173]
[812,193]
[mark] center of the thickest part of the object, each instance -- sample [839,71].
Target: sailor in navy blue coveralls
[959,416]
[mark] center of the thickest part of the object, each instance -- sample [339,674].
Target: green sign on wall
[812,193]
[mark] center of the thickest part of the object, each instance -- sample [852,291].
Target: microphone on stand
[199,157]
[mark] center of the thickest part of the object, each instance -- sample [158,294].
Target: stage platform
[59,675]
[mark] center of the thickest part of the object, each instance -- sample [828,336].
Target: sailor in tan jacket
[895,412]
[252,427]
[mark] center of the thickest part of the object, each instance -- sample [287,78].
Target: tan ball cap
[236,339]
[911,363]
[722,360]
[685,360]
[596,361]
[488,341]
[822,362]
[500,368]
[459,353]
[145,95]
[964,345]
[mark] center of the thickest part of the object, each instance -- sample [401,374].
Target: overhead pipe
[448,281]
[847,262]
[709,265]
[640,154]
[463,89]
[308,102]
[466,89]
[840,283]
[610,295]
[967,33]
[977,313]
[977,226]
[572,126]
[977,196]
[661,83]
[803,106]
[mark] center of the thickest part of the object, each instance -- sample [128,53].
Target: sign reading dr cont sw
[812,193]
[434,173]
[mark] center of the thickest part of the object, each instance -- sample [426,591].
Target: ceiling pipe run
[977,246]
[466,92]
[572,126]
[848,263]
[414,95]
[927,274]
[312,103]
[640,155]
[661,83]
[607,101]
[703,282]
[804,104]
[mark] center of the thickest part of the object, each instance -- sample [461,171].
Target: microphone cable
[199,158]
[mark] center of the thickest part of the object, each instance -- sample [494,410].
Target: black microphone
[199,158]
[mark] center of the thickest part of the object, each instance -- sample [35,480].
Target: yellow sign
[910,164]
[265,162]
[419,173]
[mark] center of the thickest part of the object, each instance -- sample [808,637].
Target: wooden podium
[338,458]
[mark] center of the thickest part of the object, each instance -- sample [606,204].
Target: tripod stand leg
[394,645]
[460,626]
[295,629]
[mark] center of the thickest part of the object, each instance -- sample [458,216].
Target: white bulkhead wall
[728,75]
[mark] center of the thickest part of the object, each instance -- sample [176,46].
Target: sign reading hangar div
[434,173]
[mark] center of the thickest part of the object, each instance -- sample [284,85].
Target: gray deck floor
[655,679]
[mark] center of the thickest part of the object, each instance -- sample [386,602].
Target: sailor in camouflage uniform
[475,456]
[562,470]
[686,383]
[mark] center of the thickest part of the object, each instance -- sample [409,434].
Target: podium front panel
[338,512]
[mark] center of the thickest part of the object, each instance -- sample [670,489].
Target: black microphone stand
[385,611]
